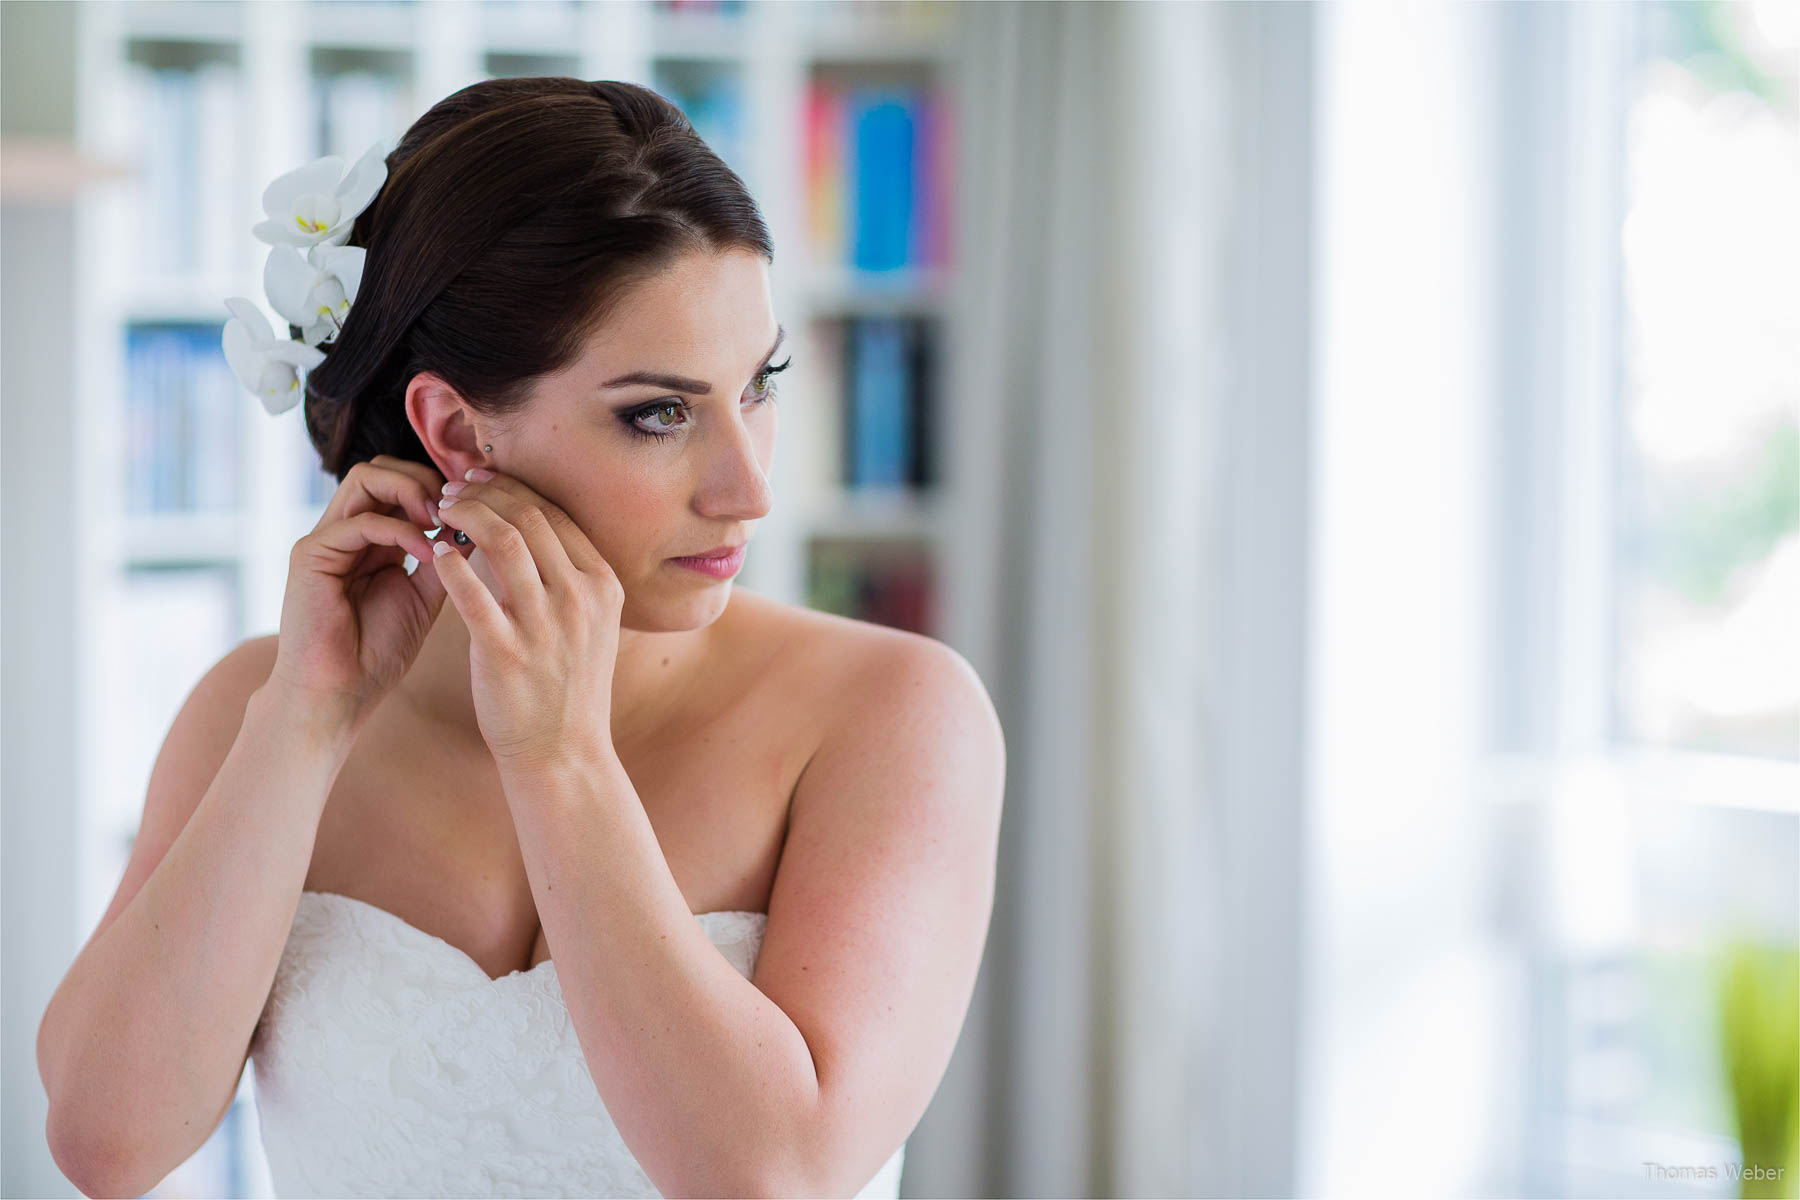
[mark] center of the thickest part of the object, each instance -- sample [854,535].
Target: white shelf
[159,539]
[697,36]
[874,514]
[363,26]
[840,291]
[176,21]
[856,48]
[194,301]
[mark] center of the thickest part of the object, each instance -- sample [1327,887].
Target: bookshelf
[839,117]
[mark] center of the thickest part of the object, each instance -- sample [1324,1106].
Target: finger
[427,581]
[539,522]
[480,611]
[337,546]
[371,488]
[425,473]
[515,568]
[581,552]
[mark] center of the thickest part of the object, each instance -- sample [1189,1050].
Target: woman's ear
[445,424]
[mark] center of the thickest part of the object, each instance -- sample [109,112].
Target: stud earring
[489,449]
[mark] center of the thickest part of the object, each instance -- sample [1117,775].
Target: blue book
[213,456]
[881,140]
[879,426]
[153,384]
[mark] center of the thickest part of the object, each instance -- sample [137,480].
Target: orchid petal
[255,324]
[363,180]
[315,214]
[343,262]
[282,233]
[287,278]
[241,354]
[321,175]
[279,388]
[338,234]
[296,354]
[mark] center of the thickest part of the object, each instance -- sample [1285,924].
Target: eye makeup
[762,391]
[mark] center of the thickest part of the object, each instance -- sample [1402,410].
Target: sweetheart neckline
[397,919]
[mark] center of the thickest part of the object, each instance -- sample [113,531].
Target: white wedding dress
[387,1063]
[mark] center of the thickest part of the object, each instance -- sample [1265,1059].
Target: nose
[735,485]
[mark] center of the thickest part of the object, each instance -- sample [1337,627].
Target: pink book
[825,173]
[937,166]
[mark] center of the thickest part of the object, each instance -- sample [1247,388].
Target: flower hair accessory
[310,208]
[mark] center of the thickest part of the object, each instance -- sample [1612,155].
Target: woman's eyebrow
[680,383]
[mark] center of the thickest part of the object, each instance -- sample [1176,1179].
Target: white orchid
[314,292]
[318,203]
[312,207]
[267,365]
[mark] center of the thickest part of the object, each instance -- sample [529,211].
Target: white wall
[40,518]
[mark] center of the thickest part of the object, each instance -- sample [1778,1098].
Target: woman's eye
[764,383]
[659,427]
[761,391]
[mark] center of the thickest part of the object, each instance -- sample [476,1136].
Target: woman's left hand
[544,638]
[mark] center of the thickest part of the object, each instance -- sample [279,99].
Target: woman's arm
[143,1043]
[806,1079]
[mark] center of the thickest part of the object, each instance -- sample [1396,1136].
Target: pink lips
[722,566]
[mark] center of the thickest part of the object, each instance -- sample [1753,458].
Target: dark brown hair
[515,215]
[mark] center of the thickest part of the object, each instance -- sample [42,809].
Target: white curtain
[1085,410]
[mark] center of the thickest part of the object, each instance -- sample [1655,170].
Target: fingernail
[439,549]
[478,474]
[453,487]
[432,509]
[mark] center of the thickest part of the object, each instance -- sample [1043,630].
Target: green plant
[1759,1013]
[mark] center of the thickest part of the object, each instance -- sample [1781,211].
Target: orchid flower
[265,364]
[319,202]
[314,292]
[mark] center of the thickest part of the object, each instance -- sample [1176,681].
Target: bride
[556,865]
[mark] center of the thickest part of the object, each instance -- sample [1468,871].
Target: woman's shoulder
[849,645]
[853,668]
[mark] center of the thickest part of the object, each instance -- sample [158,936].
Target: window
[1666,147]
[1709,530]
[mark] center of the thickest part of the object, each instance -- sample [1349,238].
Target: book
[878,166]
[879,428]
[881,124]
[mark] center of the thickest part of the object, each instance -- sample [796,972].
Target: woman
[557,866]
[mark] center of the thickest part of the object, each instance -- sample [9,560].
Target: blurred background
[1358,445]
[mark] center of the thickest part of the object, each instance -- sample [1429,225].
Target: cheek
[765,435]
[628,515]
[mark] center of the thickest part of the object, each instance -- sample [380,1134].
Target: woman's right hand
[352,619]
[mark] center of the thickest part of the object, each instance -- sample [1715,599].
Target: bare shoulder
[218,701]
[208,722]
[882,898]
[865,682]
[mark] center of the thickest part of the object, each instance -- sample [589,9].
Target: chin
[693,609]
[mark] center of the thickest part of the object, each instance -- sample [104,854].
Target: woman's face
[652,469]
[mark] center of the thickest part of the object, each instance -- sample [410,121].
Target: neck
[652,672]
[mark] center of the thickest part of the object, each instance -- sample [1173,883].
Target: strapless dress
[387,1063]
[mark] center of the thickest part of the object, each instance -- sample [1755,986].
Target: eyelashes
[762,393]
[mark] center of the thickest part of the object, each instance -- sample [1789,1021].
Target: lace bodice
[387,1063]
